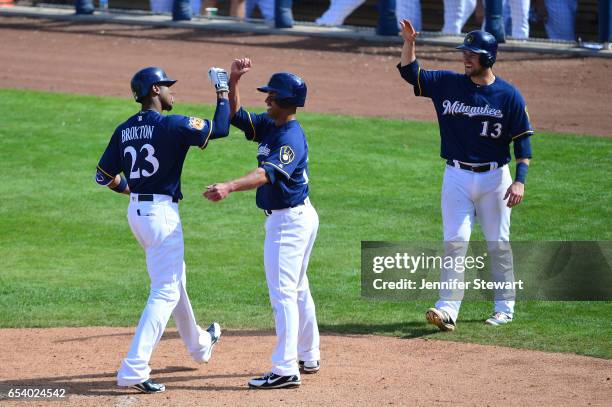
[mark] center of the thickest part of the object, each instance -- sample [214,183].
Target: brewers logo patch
[196,123]
[286,154]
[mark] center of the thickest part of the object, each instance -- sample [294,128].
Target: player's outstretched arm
[408,49]
[252,180]
[239,67]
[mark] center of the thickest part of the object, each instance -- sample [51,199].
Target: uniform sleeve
[426,83]
[284,158]
[519,125]
[191,131]
[110,162]
[250,123]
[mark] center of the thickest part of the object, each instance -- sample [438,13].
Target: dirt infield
[357,370]
[348,77]
[344,76]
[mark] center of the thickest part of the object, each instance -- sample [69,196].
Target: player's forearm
[221,120]
[234,95]
[522,168]
[408,53]
[116,182]
[252,180]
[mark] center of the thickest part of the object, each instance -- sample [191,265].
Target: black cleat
[149,386]
[274,381]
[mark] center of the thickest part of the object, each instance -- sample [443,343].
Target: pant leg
[196,339]
[494,218]
[561,19]
[519,10]
[409,10]
[338,11]
[456,14]
[457,220]
[287,236]
[266,7]
[308,336]
[157,228]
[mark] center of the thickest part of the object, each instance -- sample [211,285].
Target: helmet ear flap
[486,60]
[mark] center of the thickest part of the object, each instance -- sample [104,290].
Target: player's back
[152,153]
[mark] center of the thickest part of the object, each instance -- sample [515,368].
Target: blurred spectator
[84,6]
[266,8]
[456,14]
[559,18]
[181,10]
[387,19]
[339,10]
[165,6]
[409,10]
[236,7]
[493,18]
[516,18]
[283,15]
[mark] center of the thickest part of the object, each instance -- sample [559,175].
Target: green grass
[69,259]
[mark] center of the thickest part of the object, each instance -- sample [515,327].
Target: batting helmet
[290,89]
[483,43]
[145,78]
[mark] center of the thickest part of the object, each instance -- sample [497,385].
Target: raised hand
[408,32]
[240,67]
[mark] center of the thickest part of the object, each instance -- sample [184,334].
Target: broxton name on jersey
[477,123]
[150,148]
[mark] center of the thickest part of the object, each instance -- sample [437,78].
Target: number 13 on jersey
[495,133]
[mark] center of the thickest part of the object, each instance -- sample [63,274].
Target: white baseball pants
[456,14]
[516,14]
[290,236]
[466,196]
[409,10]
[157,227]
[338,11]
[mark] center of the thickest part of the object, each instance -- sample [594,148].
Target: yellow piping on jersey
[419,81]
[105,173]
[209,133]
[525,132]
[253,127]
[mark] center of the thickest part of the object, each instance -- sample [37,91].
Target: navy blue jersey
[477,123]
[150,149]
[283,153]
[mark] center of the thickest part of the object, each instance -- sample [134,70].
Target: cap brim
[472,49]
[167,83]
[265,89]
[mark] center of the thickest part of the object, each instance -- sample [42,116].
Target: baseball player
[281,179]
[149,149]
[479,115]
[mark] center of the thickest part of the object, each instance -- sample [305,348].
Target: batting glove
[219,78]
